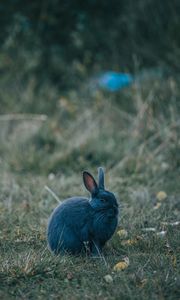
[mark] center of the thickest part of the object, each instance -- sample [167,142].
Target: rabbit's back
[68,226]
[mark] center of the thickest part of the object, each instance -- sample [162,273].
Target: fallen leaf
[122,265]
[174,260]
[161,196]
[142,283]
[122,233]
[157,206]
[25,205]
[130,242]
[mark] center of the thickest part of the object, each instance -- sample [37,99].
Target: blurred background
[89,83]
[85,84]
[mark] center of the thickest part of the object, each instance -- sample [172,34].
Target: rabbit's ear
[101,178]
[90,182]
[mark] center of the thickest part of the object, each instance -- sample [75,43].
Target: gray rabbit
[80,224]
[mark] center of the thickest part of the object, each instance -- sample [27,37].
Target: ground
[135,136]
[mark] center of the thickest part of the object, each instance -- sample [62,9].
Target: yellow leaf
[161,196]
[130,242]
[122,265]
[122,233]
[157,206]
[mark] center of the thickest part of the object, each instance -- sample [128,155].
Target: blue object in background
[114,81]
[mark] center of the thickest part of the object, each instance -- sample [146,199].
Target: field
[140,151]
[55,123]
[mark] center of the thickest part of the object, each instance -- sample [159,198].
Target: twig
[100,254]
[22,117]
[52,193]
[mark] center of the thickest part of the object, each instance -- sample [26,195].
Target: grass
[135,135]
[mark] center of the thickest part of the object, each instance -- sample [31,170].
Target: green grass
[30,271]
[135,135]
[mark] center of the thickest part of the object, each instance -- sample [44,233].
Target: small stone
[51,176]
[108,278]
[164,166]
[69,276]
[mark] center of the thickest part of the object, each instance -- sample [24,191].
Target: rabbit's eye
[103,200]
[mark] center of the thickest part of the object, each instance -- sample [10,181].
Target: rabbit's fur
[80,224]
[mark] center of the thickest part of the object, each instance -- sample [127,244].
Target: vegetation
[53,125]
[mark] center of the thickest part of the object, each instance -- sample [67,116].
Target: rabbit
[80,224]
